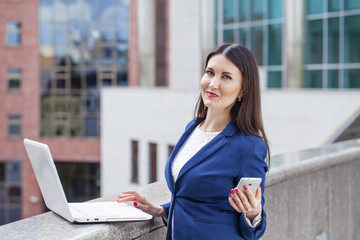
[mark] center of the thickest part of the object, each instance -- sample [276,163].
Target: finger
[144,207]
[244,200]
[126,195]
[233,204]
[252,201]
[138,197]
[258,193]
[237,198]
[126,199]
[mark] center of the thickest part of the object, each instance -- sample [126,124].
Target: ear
[241,94]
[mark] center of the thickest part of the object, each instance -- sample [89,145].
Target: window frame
[13,76]
[14,122]
[11,31]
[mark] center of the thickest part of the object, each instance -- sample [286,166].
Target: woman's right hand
[141,203]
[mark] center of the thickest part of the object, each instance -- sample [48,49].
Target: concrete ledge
[313,196]
[51,226]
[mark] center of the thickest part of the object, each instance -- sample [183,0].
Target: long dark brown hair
[246,114]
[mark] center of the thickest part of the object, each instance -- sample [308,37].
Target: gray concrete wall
[314,196]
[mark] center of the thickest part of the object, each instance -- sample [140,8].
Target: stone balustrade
[309,195]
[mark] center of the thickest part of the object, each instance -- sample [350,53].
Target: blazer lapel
[168,172]
[214,145]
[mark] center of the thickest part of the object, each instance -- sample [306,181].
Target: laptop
[55,199]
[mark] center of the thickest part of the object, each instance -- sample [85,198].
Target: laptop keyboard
[106,209]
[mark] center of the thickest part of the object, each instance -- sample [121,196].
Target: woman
[225,142]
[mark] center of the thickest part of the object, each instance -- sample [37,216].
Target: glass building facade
[83,47]
[332,52]
[253,23]
[331,49]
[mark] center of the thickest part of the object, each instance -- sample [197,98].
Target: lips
[211,94]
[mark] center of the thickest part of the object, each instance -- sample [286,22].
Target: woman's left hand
[247,202]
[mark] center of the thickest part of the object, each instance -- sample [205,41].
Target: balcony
[311,194]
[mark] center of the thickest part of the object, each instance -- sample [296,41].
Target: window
[13,34]
[332,51]
[314,41]
[14,77]
[313,79]
[352,34]
[152,162]
[14,126]
[170,149]
[134,161]
[80,52]
[274,79]
[10,192]
[275,45]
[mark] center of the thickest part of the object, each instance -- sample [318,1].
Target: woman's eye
[227,77]
[209,72]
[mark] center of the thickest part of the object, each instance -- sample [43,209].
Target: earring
[239,99]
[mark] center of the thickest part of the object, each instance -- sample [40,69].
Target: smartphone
[252,183]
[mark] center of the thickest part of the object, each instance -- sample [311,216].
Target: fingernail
[245,187]
[236,189]
[135,204]
[230,195]
[232,191]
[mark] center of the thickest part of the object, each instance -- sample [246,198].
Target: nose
[214,83]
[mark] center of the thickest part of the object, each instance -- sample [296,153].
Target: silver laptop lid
[48,178]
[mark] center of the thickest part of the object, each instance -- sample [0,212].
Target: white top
[191,146]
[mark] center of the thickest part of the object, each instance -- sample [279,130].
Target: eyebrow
[222,72]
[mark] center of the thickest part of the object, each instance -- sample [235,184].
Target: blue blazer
[199,206]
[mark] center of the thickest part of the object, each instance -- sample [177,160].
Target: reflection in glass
[106,82]
[13,172]
[91,79]
[334,5]
[244,10]
[352,36]
[313,79]
[45,10]
[242,36]
[46,37]
[91,126]
[276,9]
[257,43]
[76,38]
[13,33]
[274,79]
[229,11]
[92,103]
[2,172]
[352,78]
[2,216]
[122,78]
[14,194]
[333,40]
[352,4]
[2,193]
[228,36]
[275,44]
[333,79]
[14,214]
[314,50]
[106,10]
[257,9]
[314,7]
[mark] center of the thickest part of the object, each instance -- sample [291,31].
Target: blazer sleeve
[254,165]
[166,207]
